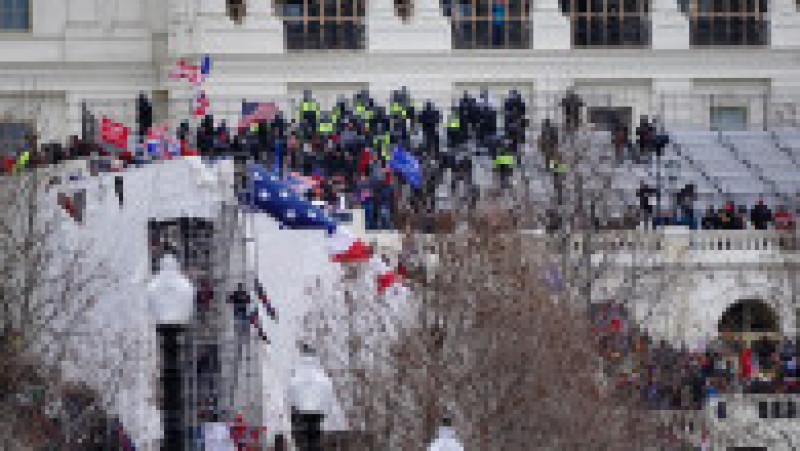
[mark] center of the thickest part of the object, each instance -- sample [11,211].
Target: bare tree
[47,285]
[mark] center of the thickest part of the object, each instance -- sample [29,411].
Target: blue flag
[205,65]
[268,193]
[406,165]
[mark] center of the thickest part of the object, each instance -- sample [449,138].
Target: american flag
[270,194]
[186,71]
[253,112]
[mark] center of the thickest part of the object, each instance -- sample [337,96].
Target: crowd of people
[347,151]
[664,377]
[730,216]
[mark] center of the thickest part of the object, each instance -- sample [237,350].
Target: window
[323,24]
[728,22]
[763,410]
[236,10]
[489,24]
[403,9]
[15,15]
[728,118]
[608,23]
[722,411]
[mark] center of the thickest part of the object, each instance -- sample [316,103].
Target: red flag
[114,133]
[201,104]
[745,363]
[187,71]
[386,280]
[66,203]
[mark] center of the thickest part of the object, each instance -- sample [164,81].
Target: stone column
[785,24]
[675,104]
[670,27]
[551,28]
[260,32]
[426,30]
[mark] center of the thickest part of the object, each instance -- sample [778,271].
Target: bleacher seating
[745,166]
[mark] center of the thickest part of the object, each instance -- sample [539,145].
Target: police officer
[144,115]
[309,112]
[429,119]
[503,162]
[515,122]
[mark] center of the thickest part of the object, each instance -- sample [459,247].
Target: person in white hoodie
[446,439]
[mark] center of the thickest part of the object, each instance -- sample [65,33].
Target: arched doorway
[749,316]
[751,324]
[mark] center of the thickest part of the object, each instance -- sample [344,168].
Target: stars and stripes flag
[186,71]
[253,112]
[271,194]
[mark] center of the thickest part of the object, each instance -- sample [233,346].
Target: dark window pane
[465,9]
[329,8]
[596,5]
[791,409]
[582,5]
[719,5]
[630,6]
[722,410]
[737,30]
[777,409]
[596,32]
[719,31]
[293,9]
[613,31]
[613,6]
[482,33]
[329,34]
[314,35]
[763,410]
[314,9]
[736,6]
[581,32]
[482,8]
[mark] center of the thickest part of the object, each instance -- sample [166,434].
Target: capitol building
[693,63]
[722,77]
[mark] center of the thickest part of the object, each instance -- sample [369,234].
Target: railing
[694,240]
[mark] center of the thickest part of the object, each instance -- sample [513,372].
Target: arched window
[489,24]
[323,24]
[608,23]
[728,22]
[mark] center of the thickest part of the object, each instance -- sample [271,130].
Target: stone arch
[749,315]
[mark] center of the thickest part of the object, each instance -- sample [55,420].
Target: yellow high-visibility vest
[504,160]
[22,161]
[326,127]
[396,108]
[360,110]
[453,122]
[309,106]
